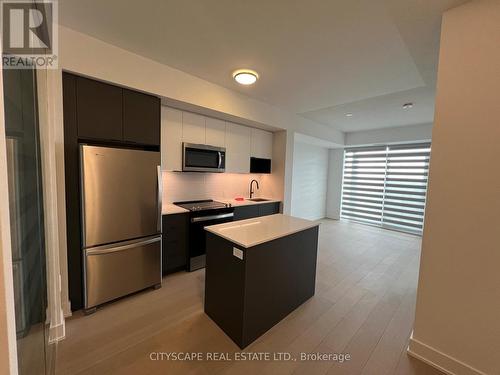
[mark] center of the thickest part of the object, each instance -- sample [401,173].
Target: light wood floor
[364,306]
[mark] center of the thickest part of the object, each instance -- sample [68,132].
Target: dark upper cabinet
[99,110]
[141,118]
[259,165]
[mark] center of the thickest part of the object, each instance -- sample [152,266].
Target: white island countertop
[252,232]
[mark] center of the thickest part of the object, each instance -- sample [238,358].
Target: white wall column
[457,326]
[47,127]
[335,174]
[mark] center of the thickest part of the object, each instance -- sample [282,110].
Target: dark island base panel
[246,297]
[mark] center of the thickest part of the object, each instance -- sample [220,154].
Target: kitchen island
[257,272]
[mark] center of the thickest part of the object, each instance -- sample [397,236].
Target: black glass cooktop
[202,205]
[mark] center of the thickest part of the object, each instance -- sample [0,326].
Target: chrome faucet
[251,187]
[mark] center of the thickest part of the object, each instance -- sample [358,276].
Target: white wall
[402,134]
[457,325]
[181,186]
[334,191]
[309,181]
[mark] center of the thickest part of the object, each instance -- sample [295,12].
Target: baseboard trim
[440,360]
[66,308]
[57,333]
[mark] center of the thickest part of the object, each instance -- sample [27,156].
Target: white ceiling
[317,58]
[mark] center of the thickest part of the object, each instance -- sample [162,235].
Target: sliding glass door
[386,186]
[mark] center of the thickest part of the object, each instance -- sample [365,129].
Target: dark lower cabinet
[174,242]
[269,208]
[246,212]
[256,210]
[247,295]
[141,118]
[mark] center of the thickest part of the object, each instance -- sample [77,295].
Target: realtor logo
[29,34]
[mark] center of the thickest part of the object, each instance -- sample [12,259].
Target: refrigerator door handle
[160,188]
[108,249]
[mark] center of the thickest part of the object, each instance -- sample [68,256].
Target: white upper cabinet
[215,131]
[237,148]
[241,142]
[261,144]
[171,139]
[193,128]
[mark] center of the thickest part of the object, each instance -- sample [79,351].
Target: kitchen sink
[258,200]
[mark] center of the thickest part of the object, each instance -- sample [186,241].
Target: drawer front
[114,272]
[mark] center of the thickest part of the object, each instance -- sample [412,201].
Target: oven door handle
[211,217]
[220,159]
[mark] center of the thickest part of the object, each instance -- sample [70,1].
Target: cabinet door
[174,242]
[215,132]
[237,148]
[246,212]
[193,128]
[269,209]
[99,114]
[141,118]
[171,139]
[262,144]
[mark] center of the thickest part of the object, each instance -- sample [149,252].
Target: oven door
[203,158]
[197,235]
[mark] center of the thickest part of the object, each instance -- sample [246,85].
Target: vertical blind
[386,185]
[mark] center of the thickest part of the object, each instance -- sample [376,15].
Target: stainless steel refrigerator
[121,222]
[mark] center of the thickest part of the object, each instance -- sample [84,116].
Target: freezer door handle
[107,249]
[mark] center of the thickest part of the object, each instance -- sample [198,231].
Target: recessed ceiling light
[245,76]
[407,105]
[348,115]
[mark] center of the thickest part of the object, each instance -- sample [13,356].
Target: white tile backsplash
[182,186]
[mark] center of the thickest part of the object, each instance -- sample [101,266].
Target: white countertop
[252,232]
[170,208]
[246,202]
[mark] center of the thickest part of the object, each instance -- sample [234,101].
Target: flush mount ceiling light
[348,115]
[245,76]
[407,105]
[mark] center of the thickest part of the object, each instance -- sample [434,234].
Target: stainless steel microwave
[203,158]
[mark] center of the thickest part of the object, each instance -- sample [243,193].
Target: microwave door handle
[220,159]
